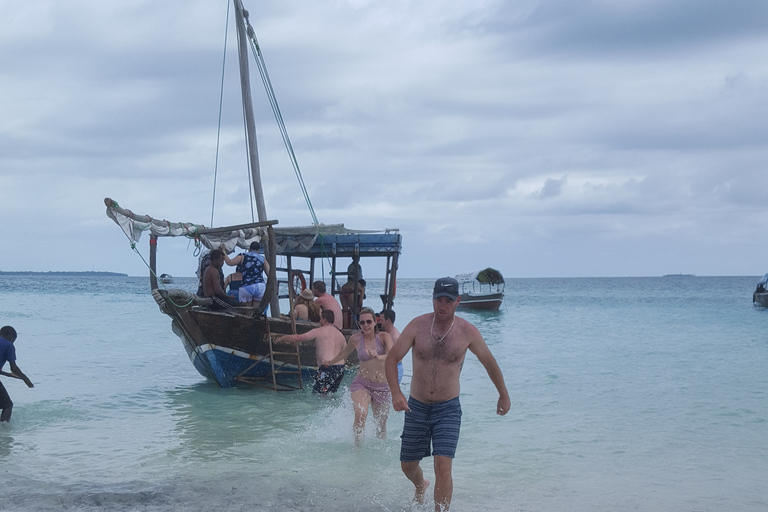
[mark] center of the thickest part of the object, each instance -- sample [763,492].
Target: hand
[503,405]
[29,383]
[400,403]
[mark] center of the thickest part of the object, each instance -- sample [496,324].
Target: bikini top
[362,354]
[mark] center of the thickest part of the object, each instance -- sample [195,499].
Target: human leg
[445,438]
[380,414]
[6,405]
[360,399]
[413,472]
[443,483]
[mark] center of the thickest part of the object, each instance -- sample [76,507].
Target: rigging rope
[278,115]
[221,102]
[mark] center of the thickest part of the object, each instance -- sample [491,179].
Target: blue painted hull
[226,365]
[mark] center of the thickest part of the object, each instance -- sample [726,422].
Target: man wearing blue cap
[432,412]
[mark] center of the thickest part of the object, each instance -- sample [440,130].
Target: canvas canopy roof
[488,275]
[307,241]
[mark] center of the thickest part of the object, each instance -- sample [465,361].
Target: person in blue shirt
[253,265]
[8,353]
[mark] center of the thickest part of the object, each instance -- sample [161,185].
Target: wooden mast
[250,124]
[253,151]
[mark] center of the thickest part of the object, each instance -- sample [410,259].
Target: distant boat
[483,289]
[166,278]
[679,275]
[760,296]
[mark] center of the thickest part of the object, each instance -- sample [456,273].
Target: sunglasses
[365,322]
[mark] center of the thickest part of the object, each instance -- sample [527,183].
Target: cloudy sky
[543,138]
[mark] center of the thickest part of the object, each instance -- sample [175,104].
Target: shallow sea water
[627,394]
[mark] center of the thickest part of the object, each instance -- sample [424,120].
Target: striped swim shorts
[435,424]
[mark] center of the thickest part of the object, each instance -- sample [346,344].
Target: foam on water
[627,394]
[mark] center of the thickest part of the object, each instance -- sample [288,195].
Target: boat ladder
[277,367]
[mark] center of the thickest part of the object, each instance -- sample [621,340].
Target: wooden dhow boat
[239,345]
[483,289]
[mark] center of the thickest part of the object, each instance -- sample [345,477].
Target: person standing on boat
[8,353]
[253,265]
[352,294]
[327,302]
[369,386]
[432,413]
[328,342]
[387,324]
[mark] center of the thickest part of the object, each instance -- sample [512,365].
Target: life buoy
[298,282]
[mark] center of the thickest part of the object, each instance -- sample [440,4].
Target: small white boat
[166,278]
[483,289]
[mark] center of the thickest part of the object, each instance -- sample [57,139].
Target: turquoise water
[639,394]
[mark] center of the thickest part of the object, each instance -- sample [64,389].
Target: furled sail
[133,225]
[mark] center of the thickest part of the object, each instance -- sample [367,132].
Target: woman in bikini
[369,386]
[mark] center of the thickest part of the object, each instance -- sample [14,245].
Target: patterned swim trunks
[328,379]
[437,424]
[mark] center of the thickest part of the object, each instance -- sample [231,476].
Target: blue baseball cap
[446,287]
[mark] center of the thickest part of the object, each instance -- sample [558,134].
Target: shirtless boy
[328,342]
[432,412]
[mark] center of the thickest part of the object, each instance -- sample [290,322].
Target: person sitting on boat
[204,263]
[305,309]
[327,302]
[369,386]
[253,264]
[328,342]
[212,284]
[233,280]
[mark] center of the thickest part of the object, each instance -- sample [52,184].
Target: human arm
[232,262]
[398,351]
[18,373]
[345,352]
[298,338]
[386,340]
[478,347]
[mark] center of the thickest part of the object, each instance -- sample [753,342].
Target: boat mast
[250,124]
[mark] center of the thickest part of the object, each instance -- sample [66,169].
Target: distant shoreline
[89,273]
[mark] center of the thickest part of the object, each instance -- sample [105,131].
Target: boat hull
[231,347]
[486,302]
[760,299]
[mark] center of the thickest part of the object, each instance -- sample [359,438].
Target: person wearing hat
[440,341]
[304,308]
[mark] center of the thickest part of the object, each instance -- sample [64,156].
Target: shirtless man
[387,324]
[328,342]
[432,413]
[212,283]
[327,302]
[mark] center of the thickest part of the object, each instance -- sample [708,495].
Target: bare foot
[421,491]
